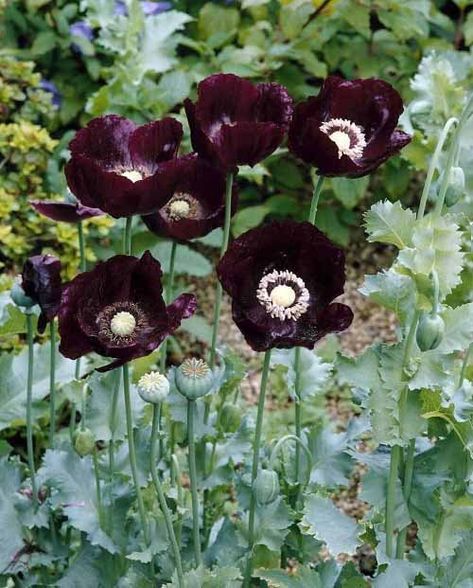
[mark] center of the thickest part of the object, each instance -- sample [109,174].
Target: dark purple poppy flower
[234,122]
[282,279]
[118,311]
[51,87]
[66,212]
[349,129]
[197,205]
[121,168]
[41,281]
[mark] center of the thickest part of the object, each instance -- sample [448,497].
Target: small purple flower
[148,8]
[118,310]
[81,29]
[282,279]
[51,87]
[121,168]
[41,281]
[66,212]
[234,122]
[349,128]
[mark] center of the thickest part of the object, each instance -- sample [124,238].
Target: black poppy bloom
[41,281]
[349,129]
[66,212]
[121,168]
[118,311]
[234,122]
[197,205]
[282,279]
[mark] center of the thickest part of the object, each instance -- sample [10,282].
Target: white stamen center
[283,295]
[123,324]
[347,136]
[132,175]
[179,209]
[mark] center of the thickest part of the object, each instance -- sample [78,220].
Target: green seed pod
[84,442]
[456,186]
[266,487]
[153,387]
[230,418]
[430,332]
[17,294]
[194,379]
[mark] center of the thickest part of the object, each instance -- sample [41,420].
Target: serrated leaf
[388,222]
[313,372]
[458,328]
[393,291]
[457,572]
[327,523]
[331,463]
[11,536]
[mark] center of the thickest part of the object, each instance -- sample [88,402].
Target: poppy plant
[197,205]
[349,129]
[121,168]
[66,212]
[234,122]
[41,281]
[118,311]
[282,279]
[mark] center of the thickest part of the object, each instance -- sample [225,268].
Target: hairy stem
[132,453]
[193,481]
[317,183]
[254,468]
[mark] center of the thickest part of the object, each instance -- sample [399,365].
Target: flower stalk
[254,468]
[29,405]
[193,481]
[52,383]
[160,493]
[169,291]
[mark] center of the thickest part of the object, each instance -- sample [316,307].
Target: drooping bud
[456,186]
[153,387]
[430,331]
[230,418]
[194,378]
[17,294]
[266,487]
[84,442]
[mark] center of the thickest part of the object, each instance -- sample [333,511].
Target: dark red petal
[41,281]
[74,342]
[105,139]
[65,211]
[154,143]
[274,105]
[248,143]
[183,307]
[200,141]
[335,318]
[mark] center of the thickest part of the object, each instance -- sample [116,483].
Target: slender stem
[180,494]
[113,424]
[98,490]
[433,165]
[127,236]
[254,467]
[162,497]
[299,443]
[219,291]
[169,291]
[193,481]
[391,498]
[407,487]
[132,453]
[52,383]
[317,183]
[297,411]
[29,406]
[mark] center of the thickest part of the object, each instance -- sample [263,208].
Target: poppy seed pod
[456,186]
[430,331]
[266,487]
[153,387]
[17,294]
[84,442]
[194,378]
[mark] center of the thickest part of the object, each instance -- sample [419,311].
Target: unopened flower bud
[17,294]
[430,332]
[456,186]
[230,418]
[84,442]
[194,378]
[153,387]
[266,487]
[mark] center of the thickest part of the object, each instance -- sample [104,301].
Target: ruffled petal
[65,211]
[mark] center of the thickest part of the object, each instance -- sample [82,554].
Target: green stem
[169,291]
[219,291]
[52,383]
[407,487]
[29,406]
[162,497]
[391,498]
[126,244]
[317,184]
[132,453]
[113,424]
[193,481]
[433,166]
[254,468]
[180,494]
[98,490]
[297,411]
